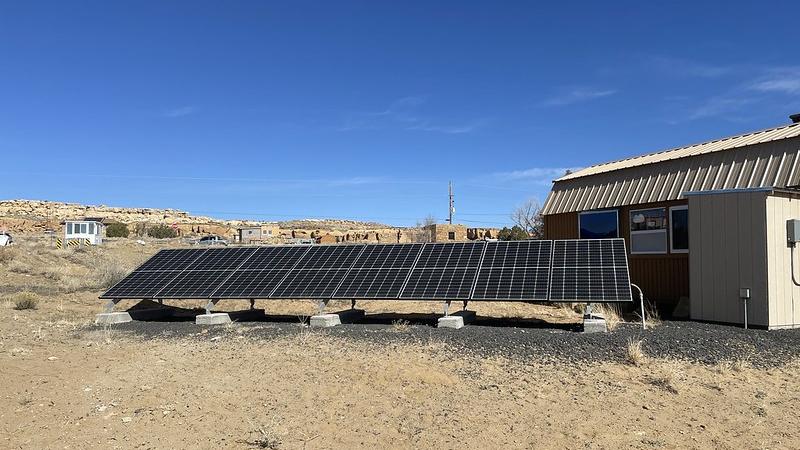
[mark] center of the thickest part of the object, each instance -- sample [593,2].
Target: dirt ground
[69,384]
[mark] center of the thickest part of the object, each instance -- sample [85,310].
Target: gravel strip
[690,341]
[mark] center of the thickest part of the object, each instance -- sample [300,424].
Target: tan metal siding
[772,164]
[784,296]
[727,251]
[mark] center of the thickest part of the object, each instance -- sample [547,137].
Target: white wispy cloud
[404,113]
[533,175]
[779,80]
[179,112]
[578,95]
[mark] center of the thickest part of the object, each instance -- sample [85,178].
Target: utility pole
[452,205]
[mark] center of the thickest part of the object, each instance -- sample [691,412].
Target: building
[445,232]
[704,223]
[248,235]
[87,231]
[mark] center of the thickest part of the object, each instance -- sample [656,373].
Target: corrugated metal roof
[774,163]
[756,137]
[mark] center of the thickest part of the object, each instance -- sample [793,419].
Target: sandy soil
[68,384]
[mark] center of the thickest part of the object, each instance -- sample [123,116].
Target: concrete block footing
[333,319]
[213,319]
[112,318]
[594,325]
[456,320]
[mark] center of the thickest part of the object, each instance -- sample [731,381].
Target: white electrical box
[744,292]
[793,231]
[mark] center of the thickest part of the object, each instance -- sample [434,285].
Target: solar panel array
[564,270]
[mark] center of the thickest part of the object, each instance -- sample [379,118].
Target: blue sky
[365,110]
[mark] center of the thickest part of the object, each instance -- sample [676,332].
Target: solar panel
[279,257]
[379,272]
[141,284]
[172,259]
[250,284]
[517,270]
[318,272]
[444,271]
[221,258]
[194,284]
[590,270]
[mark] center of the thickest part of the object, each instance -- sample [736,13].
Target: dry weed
[634,354]
[6,255]
[652,316]
[24,300]
[667,379]
[108,275]
[612,315]
[401,325]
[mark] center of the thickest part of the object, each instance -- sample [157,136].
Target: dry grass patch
[667,379]
[24,300]
[6,255]
[633,352]
[401,325]
[612,315]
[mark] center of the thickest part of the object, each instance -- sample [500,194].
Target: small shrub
[117,229]
[162,232]
[401,325]
[634,354]
[20,267]
[109,275]
[25,300]
[6,255]
[611,314]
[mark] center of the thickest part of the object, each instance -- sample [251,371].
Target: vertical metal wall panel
[727,243]
[784,296]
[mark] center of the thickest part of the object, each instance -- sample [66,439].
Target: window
[649,231]
[91,228]
[679,229]
[81,228]
[598,224]
[69,228]
[451,235]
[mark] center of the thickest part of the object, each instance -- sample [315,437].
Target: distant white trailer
[5,239]
[84,232]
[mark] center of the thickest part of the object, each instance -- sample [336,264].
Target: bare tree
[423,230]
[529,217]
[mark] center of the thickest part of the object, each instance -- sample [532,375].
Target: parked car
[5,239]
[212,240]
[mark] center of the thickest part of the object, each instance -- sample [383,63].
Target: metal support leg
[353,304]
[111,304]
[465,305]
[161,301]
[641,302]
[587,312]
[322,305]
[252,303]
[447,308]
[210,305]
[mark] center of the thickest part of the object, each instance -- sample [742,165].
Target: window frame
[665,231]
[601,211]
[671,229]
